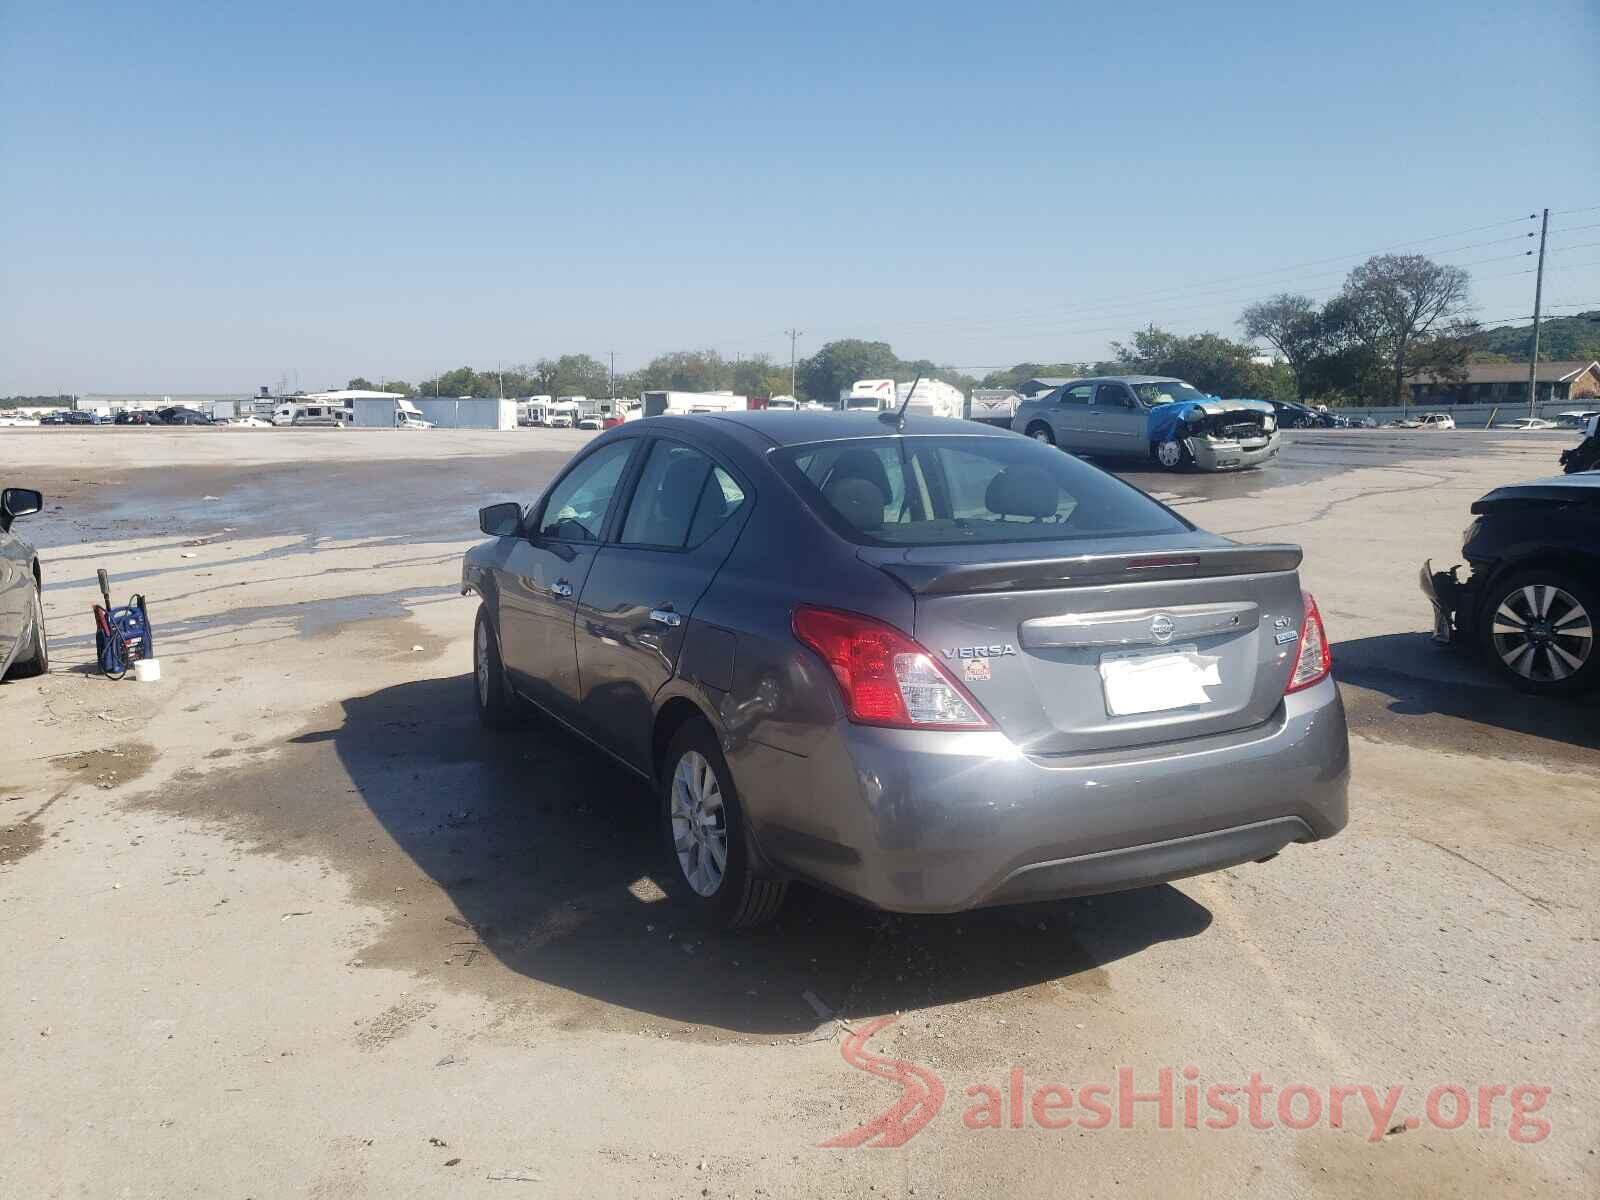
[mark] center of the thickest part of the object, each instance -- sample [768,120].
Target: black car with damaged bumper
[1532,592]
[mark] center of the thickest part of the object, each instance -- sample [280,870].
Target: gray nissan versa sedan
[930,665]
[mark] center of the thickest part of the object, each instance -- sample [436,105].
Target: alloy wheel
[1543,633]
[1169,454]
[699,824]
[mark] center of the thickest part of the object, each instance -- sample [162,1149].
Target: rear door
[640,595]
[545,573]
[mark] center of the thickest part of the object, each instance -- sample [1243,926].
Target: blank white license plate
[1146,681]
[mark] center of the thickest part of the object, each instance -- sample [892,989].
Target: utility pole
[794,335]
[611,377]
[1538,296]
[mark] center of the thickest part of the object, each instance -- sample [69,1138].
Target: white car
[1524,424]
[1437,421]
[592,423]
[249,423]
[10,420]
[560,421]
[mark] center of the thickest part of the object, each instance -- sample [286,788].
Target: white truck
[655,404]
[391,413]
[933,397]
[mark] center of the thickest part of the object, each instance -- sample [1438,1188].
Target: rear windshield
[952,491]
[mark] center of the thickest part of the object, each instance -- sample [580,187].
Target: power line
[1161,294]
[1565,212]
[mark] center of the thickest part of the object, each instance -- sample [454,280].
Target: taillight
[887,679]
[1314,661]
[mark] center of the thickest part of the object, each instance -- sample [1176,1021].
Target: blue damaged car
[1152,417]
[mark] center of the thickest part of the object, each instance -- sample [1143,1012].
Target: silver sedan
[927,664]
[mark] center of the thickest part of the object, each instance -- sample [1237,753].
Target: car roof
[765,429]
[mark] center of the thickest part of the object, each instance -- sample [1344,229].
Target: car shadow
[1451,699]
[550,854]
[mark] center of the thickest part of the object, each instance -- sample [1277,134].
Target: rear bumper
[923,822]
[1213,454]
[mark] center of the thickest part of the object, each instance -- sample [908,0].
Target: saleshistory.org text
[1179,1098]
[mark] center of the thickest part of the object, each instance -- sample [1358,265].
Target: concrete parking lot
[288,923]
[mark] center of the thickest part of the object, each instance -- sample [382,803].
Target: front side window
[576,509]
[1080,394]
[951,491]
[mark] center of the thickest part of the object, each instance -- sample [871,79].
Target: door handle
[561,588]
[665,616]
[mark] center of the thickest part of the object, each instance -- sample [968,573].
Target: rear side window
[682,499]
[952,491]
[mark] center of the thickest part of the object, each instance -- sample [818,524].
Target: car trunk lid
[1076,646]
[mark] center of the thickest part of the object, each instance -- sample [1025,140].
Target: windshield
[951,491]
[1164,392]
[862,402]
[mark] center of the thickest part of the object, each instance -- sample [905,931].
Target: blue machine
[122,634]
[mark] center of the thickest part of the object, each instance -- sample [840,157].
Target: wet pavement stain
[526,868]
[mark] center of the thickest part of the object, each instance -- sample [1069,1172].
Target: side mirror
[19,502]
[501,520]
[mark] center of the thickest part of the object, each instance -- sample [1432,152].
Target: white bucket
[147,670]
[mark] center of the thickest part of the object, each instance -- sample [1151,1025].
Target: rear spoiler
[1090,570]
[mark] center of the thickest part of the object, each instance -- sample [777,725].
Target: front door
[545,573]
[641,593]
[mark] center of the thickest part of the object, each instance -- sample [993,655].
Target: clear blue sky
[205,197]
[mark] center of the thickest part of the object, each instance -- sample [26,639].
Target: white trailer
[655,404]
[994,406]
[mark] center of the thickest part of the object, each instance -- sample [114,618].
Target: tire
[692,773]
[37,660]
[1527,626]
[1041,432]
[1172,454]
[497,707]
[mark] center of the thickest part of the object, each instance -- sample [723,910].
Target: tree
[837,365]
[359,384]
[1210,361]
[1293,326]
[1398,299]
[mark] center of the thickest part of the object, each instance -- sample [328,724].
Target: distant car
[1528,424]
[1152,417]
[178,415]
[1532,596]
[928,664]
[591,423]
[131,417]
[1436,420]
[249,423]
[24,646]
[84,417]
[53,418]
[1577,419]
[9,419]
[560,421]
